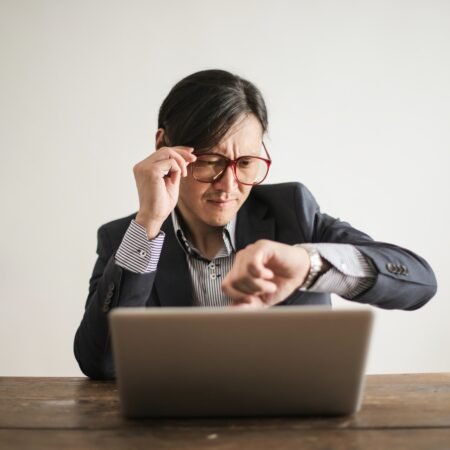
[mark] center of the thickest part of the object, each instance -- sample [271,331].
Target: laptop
[280,361]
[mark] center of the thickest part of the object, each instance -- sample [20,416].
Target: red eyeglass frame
[232,163]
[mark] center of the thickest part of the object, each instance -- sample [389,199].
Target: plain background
[359,100]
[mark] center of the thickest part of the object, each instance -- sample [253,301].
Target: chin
[220,221]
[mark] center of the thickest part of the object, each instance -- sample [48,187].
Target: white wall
[359,101]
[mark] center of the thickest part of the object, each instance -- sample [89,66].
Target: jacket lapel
[254,222]
[173,282]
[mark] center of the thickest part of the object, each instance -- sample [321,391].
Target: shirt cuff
[136,252]
[350,274]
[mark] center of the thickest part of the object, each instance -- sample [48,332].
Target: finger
[183,152]
[167,166]
[233,293]
[186,153]
[166,152]
[184,160]
[182,164]
[260,271]
[174,175]
[257,268]
[242,293]
[169,159]
[183,148]
[254,286]
[254,303]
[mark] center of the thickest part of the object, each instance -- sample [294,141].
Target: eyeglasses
[247,169]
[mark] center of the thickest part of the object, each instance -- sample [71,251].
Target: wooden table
[399,412]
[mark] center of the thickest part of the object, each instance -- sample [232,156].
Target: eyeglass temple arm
[267,153]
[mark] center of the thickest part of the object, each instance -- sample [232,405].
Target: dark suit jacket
[285,213]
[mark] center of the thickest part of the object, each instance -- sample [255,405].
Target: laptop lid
[194,362]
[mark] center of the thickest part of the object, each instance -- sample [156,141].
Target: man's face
[215,204]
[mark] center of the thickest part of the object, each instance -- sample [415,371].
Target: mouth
[222,203]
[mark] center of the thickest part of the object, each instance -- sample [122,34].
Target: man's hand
[265,273]
[158,183]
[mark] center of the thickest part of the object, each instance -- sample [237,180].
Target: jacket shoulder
[114,230]
[284,195]
[292,205]
[280,188]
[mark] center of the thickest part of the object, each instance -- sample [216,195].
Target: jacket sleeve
[404,280]
[110,286]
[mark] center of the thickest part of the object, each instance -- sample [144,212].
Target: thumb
[258,268]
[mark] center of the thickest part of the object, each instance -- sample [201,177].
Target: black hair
[201,108]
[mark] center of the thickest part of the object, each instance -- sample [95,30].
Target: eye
[210,161]
[247,162]
[207,159]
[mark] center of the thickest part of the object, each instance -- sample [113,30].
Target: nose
[226,182]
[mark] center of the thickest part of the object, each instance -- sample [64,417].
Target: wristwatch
[316,266]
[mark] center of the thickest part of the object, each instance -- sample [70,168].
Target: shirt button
[213,276]
[142,253]
[211,265]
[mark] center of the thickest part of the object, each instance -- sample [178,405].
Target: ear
[159,138]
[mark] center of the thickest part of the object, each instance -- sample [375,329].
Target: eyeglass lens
[249,169]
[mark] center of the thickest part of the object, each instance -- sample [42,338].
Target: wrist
[304,263]
[152,227]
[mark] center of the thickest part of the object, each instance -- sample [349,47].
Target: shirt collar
[229,236]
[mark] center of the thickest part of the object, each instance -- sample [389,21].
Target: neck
[206,239]
[208,244]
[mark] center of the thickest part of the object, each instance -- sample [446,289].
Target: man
[208,234]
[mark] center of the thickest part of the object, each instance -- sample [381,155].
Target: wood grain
[399,411]
[195,439]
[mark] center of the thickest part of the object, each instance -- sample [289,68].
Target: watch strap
[315,269]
